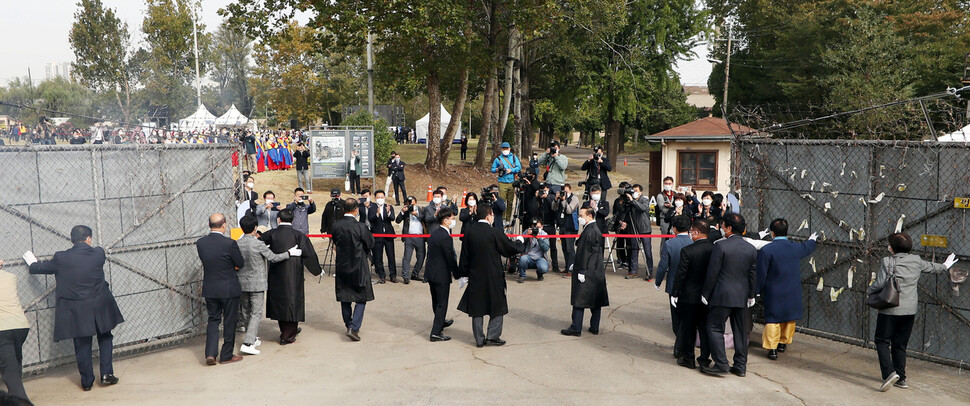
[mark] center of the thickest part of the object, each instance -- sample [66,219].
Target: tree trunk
[455,123]
[613,128]
[503,117]
[434,121]
[622,143]
[487,123]
[526,103]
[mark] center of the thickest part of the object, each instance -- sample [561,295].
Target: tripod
[328,260]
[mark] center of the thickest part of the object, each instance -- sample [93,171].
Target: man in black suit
[482,268]
[381,216]
[352,283]
[729,290]
[396,169]
[221,259]
[85,305]
[442,265]
[686,296]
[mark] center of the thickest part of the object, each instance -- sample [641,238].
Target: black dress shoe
[568,332]
[437,337]
[86,388]
[381,281]
[704,362]
[737,371]
[595,331]
[448,323]
[539,277]
[298,331]
[686,362]
[479,345]
[676,353]
[772,354]
[495,341]
[782,347]
[713,371]
[109,379]
[414,276]
[393,279]
[407,281]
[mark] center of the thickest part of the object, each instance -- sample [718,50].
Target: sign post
[330,151]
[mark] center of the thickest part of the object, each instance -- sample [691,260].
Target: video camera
[534,227]
[489,195]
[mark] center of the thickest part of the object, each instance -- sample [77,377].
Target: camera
[534,227]
[502,171]
[597,156]
[553,148]
[582,183]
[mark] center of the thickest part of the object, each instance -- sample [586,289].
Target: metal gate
[853,193]
[147,205]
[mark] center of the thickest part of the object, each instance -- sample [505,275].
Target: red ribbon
[511,235]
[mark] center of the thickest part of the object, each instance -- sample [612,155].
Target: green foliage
[170,79]
[286,79]
[383,138]
[229,54]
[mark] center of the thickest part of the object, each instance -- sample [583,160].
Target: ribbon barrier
[510,235]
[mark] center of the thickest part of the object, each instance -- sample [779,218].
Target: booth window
[697,168]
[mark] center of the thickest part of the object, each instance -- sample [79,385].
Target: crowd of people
[714,269]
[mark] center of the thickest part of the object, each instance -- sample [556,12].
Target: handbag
[347,183]
[888,296]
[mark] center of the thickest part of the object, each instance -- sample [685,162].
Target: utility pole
[195,42]
[370,73]
[727,74]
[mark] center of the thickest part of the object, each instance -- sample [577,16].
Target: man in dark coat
[597,168]
[354,245]
[381,218]
[285,298]
[729,290]
[780,284]
[221,260]
[588,289]
[85,305]
[396,169]
[686,295]
[442,265]
[481,263]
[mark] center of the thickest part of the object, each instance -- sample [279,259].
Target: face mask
[668,188]
[451,225]
[380,201]
[636,195]
[582,221]
[707,202]
[250,185]
[595,197]
[269,201]
[436,200]
[472,203]
[678,203]
[505,152]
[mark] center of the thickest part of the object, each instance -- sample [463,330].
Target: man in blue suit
[779,283]
[669,263]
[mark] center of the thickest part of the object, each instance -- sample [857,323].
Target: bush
[383,138]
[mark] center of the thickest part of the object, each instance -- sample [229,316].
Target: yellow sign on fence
[961,203]
[938,241]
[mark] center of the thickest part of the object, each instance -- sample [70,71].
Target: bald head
[217,221]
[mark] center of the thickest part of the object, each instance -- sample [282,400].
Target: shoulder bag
[888,296]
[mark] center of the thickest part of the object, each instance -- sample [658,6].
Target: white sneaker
[249,349]
[257,343]
[888,383]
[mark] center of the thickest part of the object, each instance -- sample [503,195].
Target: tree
[104,58]
[383,138]
[230,51]
[170,75]
[285,78]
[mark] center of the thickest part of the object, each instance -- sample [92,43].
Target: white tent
[233,118]
[961,135]
[202,119]
[421,127]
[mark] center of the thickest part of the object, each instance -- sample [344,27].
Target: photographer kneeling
[535,253]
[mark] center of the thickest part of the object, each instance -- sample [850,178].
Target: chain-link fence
[147,205]
[853,193]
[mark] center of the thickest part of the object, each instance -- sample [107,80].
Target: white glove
[763,234]
[520,239]
[703,300]
[29,258]
[582,278]
[950,260]
[813,237]
[462,282]
[657,286]
[750,302]
[673,301]
[295,251]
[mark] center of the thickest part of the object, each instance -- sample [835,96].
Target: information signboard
[330,151]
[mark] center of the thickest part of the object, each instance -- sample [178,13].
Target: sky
[35,33]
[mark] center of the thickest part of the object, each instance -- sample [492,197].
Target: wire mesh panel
[854,193]
[146,204]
